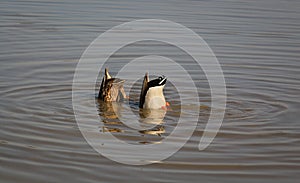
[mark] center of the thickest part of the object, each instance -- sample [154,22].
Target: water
[256,42]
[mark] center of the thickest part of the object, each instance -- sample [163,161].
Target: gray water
[256,42]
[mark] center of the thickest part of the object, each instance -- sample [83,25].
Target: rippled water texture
[256,42]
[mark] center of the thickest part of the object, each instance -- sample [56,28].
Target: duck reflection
[154,117]
[109,112]
[150,119]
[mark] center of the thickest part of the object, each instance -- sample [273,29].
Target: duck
[152,96]
[111,89]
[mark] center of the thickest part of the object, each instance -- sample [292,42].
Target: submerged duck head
[152,96]
[111,89]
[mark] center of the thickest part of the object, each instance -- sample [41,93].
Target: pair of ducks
[151,97]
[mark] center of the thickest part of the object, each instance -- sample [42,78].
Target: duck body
[111,89]
[152,96]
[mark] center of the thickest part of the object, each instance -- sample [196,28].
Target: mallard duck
[111,89]
[152,96]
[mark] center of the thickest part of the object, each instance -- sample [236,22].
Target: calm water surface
[257,44]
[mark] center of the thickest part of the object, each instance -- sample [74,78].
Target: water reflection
[109,112]
[151,121]
[155,117]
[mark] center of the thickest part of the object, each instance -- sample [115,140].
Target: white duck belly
[155,98]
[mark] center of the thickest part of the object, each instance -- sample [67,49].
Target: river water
[256,42]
